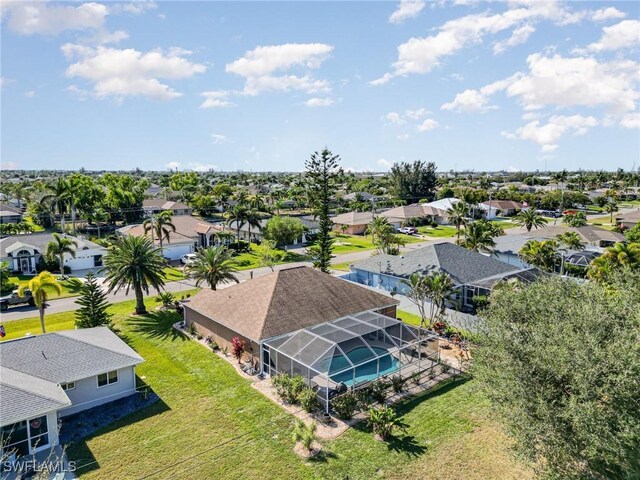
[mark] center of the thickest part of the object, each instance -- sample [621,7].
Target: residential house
[191,233]
[442,205]
[44,378]
[504,208]
[157,205]
[628,220]
[363,196]
[10,214]
[404,214]
[311,225]
[472,273]
[23,252]
[352,223]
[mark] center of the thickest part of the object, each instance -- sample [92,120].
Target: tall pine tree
[322,172]
[93,305]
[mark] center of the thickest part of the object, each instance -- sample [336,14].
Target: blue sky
[260,85]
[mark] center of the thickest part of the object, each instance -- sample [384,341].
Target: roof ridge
[271,297]
[95,345]
[31,392]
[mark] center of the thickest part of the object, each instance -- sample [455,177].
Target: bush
[8,287]
[378,390]
[288,388]
[398,383]
[345,405]
[308,399]
[364,399]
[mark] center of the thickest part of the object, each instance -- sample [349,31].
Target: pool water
[365,372]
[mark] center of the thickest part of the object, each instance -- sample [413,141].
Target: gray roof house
[473,273]
[45,377]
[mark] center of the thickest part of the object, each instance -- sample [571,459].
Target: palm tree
[73,190]
[610,207]
[160,225]
[58,247]
[621,255]
[253,220]
[41,286]
[458,216]
[542,254]
[436,288]
[99,215]
[478,236]
[214,265]
[133,262]
[571,240]
[237,214]
[529,219]
[378,229]
[57,198]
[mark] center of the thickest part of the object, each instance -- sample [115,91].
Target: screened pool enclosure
[350,352]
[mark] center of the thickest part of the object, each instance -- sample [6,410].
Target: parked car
[188,259]
[408,230]
[15,299]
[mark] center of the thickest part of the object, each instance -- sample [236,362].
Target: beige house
[402,215]
[155,206]
[352,223]
[628,220]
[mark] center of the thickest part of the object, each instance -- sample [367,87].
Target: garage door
[174,252]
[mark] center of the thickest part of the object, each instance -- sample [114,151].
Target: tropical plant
[99,216]
[457,214]
[575,219]
[308,399]
[479,235]
[618,257]
[322,172]
[41,286]
[345,405]
[436,289]
[238,347]
[384,420]
[237,215]
[253,218]
[398,383]
[4,276]
[378,229]
[213,265]
[57,198]
[283,230]
[268,255]
[134,263]
[93,304]
[529,219]
[542,254]
[611,207]
[160,225]
[166,298]
[378,390]
[305,434]
[58,247]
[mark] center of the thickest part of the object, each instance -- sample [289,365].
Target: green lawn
[249,260]
[343,266]
[172,274]
[65,284]
[356,243]
[209,423]
[441,231]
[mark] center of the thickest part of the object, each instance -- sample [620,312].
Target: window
[68,386]
[107,378]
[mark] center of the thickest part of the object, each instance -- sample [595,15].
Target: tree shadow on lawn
[323,456]
[157,325]
[80,453]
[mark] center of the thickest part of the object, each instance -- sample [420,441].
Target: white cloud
[129,72]
[403,136]
[512,169]
[407,9]
[394,118]
[630,120]
[4,81]
[259,66]
[417,114]
[518,36]
[319,102]
[173,165]
[202,167]
[428,124]
[625,34]
[30,93]
[547,135]
[219,139]
[138,7]
[386,164]
[605,14]
[421,55]
[29,18]
[468,101]
[216,99]
[4,165]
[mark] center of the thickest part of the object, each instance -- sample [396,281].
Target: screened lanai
[350,352]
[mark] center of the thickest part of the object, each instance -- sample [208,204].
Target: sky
[259,86]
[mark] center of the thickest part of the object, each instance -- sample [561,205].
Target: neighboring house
[443,205]
[628,220]
[472,273]
[276,304]
[582,258]
[191,233]
[364,196]
[46,377]
[352,223]
[402,215]
[10,214]
[23,252]
[591,235]
[311,225]
[155,206]
[505,208]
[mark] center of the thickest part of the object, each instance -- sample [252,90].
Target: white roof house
[443,203]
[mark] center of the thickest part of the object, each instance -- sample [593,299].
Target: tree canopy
[412,181]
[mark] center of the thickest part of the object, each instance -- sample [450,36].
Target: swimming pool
[367,371]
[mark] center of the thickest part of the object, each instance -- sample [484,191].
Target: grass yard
[172,274]
[210,423]
[249,260]
[343,266]
[441,231]
[356,243]
[67,290]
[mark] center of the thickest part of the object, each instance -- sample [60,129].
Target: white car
[188,259]
[408,230]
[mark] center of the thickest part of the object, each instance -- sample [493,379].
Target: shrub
[364,399]
[308,399]
[281,384]
[304,434]
[384,420]
[214,346]
[378,390]
[445,367]
[166,298]
[345,405]
[397,382]
[296,385]
[237,348]
[416,377]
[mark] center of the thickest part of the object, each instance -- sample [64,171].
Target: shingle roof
[24,396]
[285,301]
[443,203]
[40,241]
[463,265]
[589,233]
[503,204]
[67,356]
[187,229]
[164,204]
[412,211]
[353,218]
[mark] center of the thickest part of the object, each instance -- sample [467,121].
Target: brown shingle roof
[187,229]
[589,233]
[285,301]
[353,218]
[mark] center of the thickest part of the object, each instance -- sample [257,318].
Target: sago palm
[134,263]
[214,265]
[41,286]
[57,248]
